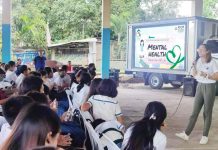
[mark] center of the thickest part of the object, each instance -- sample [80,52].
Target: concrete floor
[133,99]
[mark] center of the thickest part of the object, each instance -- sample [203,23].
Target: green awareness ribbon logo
[175,55]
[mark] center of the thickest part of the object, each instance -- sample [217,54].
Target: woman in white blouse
[205,72]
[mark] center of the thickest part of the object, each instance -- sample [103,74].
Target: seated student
[38,97]
[50,81]
[92,70]
[36,74]
[23,73]
[18,65]
[10,73]
[36,125]
[31,83]
[80,92]
[63,80]
[10,111]
[104,105]
[146,133]
[93,88]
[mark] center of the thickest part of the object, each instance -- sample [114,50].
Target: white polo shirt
[105,107]
[10,76]
[159,140]
[19,80]
[209,68]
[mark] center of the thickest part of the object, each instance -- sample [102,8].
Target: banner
[161,47]
[26,57]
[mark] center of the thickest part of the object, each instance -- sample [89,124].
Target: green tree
[128,11]
[210,9]
[28,26]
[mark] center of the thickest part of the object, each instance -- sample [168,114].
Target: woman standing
[205,72]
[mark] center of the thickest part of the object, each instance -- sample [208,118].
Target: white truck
[165,50]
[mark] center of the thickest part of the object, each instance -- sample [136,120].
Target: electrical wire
[181,98]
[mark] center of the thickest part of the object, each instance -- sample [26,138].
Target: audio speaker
[189,88]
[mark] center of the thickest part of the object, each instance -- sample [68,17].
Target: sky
[185,5]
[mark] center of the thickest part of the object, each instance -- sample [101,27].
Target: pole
[6,30]
[106,6]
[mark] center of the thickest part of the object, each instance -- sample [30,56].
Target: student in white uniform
[10,111]
[146,133]
[206,73]
[104,105]
[50,77]
[23,73]
[81,90]
[63,80]
[10,74]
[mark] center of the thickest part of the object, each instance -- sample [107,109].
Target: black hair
[84,79]
[48,70]
[43,73]
[64,68]
[6,67]
[46,89]
[12,107]
[11,63]
[23,68]
[31,127]
[54,70]
[209,49]
[107,87]
[35,73]
[30,83]
[38,97]
[93,87]
[91,65]
[144,130]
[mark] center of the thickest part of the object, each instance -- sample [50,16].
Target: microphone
[193,65]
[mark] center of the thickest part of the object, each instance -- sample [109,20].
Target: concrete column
[92,52]
[6,30]
[106,8]
[197,7]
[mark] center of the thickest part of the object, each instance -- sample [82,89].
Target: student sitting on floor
[146,133]
[104,105]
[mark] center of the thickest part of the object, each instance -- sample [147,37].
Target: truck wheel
[155,81]
[176,86]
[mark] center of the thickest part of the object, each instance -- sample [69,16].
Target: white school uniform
[5,132]
[159,140]
[19,80]
[105,107]
[80,97]
[10,76]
